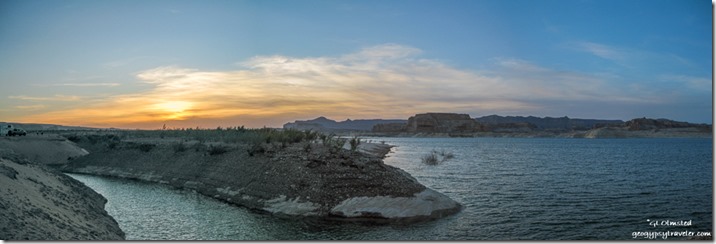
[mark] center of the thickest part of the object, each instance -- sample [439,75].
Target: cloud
[81,84]
[696,83]
[62,98]
[385,81]
[603,51]
[31,107]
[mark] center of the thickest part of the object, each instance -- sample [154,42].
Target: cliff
[326,125]
[295,179]
[38,203]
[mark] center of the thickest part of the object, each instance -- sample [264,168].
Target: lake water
[512,189]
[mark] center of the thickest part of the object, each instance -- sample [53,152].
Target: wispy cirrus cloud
[385,81]
[603,51]
[31,107]
[88,84]
[51,98]
[696,83]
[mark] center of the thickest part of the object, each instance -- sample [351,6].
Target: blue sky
[141,64]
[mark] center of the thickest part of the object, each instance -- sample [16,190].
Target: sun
[174,109]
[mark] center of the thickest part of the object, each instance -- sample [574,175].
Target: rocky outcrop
[433,123]
[302,179]
[425,204]
[38,203]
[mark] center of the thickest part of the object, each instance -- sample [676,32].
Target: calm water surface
[512,189]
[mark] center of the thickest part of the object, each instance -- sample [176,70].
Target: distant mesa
[324,124]
[442,122]
[461,125]
[655,124]
[562,124]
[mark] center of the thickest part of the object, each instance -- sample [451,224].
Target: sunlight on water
[538,189]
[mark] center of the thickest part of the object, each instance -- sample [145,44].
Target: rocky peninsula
[39,203]
[288,173]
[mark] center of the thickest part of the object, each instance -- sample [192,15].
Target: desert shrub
[335,145]
[311,135]
[73,138]
[355,141]
[238,134]
[446,155]
[146,147]
[436,157]
[256,148]
[327,139]
[199,147]
[179,147]
[94,138]
[217,150]
[112,144]
[430,159]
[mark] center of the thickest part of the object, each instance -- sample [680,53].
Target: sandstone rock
[427,204]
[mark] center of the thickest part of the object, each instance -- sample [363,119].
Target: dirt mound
[38,203]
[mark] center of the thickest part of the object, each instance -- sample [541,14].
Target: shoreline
[296,180]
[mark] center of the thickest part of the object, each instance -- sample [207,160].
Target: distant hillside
[548,123]
[651,128]
[39,127]
[328,125]
[655,124]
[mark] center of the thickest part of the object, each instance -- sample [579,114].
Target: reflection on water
[511,188]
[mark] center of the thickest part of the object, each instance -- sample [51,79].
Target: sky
[146,64]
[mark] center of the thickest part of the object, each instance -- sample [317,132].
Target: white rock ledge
[426,204]
[291,207]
